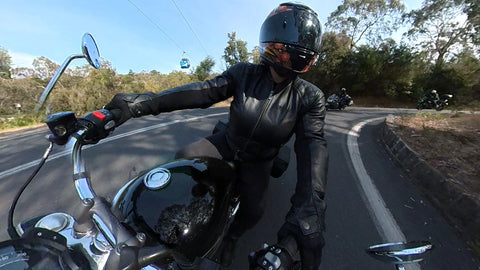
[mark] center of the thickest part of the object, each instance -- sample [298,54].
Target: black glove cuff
[140,104]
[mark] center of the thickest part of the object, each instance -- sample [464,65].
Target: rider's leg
[252,185]
[213,146]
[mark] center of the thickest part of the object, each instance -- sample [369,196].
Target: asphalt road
[369,200]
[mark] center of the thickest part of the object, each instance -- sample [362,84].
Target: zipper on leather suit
[264,109]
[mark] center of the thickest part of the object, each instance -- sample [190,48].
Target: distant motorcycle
[438,104]
[335,102]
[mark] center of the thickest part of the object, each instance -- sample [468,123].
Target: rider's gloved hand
[126,106]
[309,244]
[274,257]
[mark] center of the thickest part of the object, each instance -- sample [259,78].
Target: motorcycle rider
[433,96]
[342,97]
[270,104]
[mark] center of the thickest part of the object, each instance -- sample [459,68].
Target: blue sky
[138,35]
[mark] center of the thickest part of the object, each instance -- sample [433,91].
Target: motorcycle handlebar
[128,252]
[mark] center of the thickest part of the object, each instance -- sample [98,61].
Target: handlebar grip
[117,115]
[98,125]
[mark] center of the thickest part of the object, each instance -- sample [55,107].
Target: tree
[44,68]
[325,72]
[442,28]
[236,50]
[472,9]
[255,55]
[5,64]
[22,72]
[204,70]
[366,20]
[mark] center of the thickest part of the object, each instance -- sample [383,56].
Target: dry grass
[448,142]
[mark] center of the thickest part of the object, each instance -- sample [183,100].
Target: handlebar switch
[273,257]
[99,124]
[62,125]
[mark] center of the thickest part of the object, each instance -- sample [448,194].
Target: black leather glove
[126,106]
[273,257]
[308,244]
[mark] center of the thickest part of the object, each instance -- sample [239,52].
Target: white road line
[382,217]
[108,139]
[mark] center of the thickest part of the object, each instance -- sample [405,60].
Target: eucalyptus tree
[44,68]
[255,55]
[204,70]
[236,50]
[443,28]
[5,64]
[325,73]
[366,21]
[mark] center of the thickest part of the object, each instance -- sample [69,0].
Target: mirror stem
[43,97]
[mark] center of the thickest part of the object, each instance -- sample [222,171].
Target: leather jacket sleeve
[308,201]
[194,95]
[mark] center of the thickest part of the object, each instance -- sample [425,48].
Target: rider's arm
[193,95]
[308,205]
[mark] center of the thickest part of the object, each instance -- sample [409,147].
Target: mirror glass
[400,253]
[90,50]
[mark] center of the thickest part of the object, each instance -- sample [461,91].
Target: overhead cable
[156,25]
[189,26]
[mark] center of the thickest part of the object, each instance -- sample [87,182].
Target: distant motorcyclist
[342,93]
[343,98]
[433,96]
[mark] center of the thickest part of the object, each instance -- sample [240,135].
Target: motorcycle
[438,104]
[336,102]
[194,204]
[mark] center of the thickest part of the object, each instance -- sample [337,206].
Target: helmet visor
[291,57]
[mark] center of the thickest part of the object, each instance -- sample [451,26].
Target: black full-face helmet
[290,38]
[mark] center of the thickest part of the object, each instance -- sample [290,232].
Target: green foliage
[18,91]
[204,70]
[20,120]
[81,90]
[381,71]
[5,64]
[440,27]
[375,67]
[366,20]
[431,116]
[472,9]
[255,55]
[44,68]
[326,72]
[236,50]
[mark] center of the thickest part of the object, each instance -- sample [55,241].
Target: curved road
[369,199]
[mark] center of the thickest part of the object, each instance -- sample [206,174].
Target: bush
[20,120]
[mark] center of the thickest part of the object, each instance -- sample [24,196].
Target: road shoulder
[461,210]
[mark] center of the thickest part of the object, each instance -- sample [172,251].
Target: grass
[432,116]
[449,143]
[20,120]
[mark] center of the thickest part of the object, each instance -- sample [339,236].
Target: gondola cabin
[184,63]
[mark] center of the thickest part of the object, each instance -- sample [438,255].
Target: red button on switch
[99,115]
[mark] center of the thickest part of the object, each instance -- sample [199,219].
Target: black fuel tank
[185,204]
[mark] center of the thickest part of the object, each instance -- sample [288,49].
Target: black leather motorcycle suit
[263,117]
